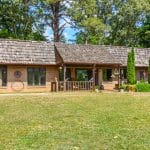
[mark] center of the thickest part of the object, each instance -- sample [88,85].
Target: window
[68,74]
[142,75]
[107,74]
[36,76]
[123,73]
[83,74]
[3,76]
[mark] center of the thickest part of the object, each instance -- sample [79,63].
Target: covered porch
[88,77]
[86,67]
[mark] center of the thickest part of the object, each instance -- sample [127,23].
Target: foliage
[144,33]
[74,121]
[133,65]
[143,87]
[130,88]
[54,13]
[122,87]
[20,22]
[98,22]
[117,22]
[131,79]
[83,14]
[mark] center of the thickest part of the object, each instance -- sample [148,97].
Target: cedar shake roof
[101,54]
[44,53]
[142,55]
[85,54]
[26,52]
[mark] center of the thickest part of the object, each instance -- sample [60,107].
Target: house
[31,66]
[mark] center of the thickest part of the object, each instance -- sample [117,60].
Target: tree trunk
[55,21]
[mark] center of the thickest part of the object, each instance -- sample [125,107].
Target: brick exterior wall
[20,84]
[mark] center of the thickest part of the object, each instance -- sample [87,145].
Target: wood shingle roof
[26,52]
[101,54]
[44,53]
[142,55]
[89,54]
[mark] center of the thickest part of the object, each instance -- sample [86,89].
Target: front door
[107,74]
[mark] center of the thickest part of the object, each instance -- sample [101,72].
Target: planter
[121,90]
[96,90]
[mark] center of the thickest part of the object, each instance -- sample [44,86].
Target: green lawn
[75,121]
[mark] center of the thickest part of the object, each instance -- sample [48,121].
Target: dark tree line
[110,22]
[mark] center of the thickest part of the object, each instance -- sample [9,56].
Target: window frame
[33,75]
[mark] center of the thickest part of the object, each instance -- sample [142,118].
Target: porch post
[64,78]
[93,76]
[119,75]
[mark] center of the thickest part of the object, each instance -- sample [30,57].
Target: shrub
[128,87]
[122,87]
[143,87]
[131,68]
[131,88]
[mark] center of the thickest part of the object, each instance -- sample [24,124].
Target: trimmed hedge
[143,87]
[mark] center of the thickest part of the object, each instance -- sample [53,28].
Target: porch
[87,78]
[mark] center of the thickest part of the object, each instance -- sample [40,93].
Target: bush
[128,87]
[131,88]
[143,87]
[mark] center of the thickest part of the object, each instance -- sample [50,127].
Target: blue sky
[69,34]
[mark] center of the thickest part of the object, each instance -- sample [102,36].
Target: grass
[75,121]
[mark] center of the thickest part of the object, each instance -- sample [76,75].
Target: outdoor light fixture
[60,68]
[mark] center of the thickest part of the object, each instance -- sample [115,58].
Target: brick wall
[20,84]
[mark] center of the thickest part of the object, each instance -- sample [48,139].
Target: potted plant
[121,88]
[97,89]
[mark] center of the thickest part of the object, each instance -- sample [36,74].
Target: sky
[69,34]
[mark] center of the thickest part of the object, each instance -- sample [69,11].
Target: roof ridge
[117,46]
[31,41]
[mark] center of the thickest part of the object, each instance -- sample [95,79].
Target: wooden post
[64,78]
[56,81]
[118,76]
[93,76]
[122,76]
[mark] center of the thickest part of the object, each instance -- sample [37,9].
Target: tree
[55,13]
[144,33]
[126,17]
[84,16]
[131,68]
[20,22]
[116,22]
[133,65]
